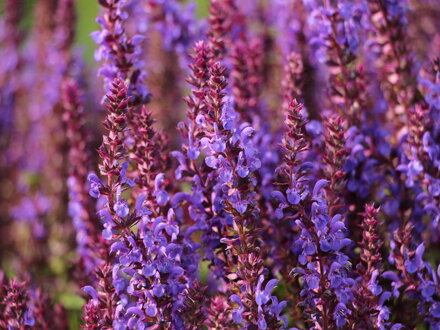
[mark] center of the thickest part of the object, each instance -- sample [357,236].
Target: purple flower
[162,196]
[415,263]
[340,315]
[151,310]
[117,50]
[123,175]
[293,197]
[435,310]
[237,312]
[263,296]
[374,287]
[177,25]
[95,185]
[121,206]
[91,291]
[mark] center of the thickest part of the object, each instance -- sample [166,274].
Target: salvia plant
[265,165]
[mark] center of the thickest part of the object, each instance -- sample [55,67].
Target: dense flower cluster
[300,188]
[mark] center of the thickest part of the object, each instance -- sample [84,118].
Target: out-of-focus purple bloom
[10,39]
[32,211]
[287,23]
[177,25]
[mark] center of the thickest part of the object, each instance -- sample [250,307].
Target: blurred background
[87,11]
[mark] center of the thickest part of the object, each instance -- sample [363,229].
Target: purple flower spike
[121,55]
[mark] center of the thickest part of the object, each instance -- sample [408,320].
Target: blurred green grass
[87,11]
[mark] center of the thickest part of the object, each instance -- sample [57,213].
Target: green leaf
[71,301]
